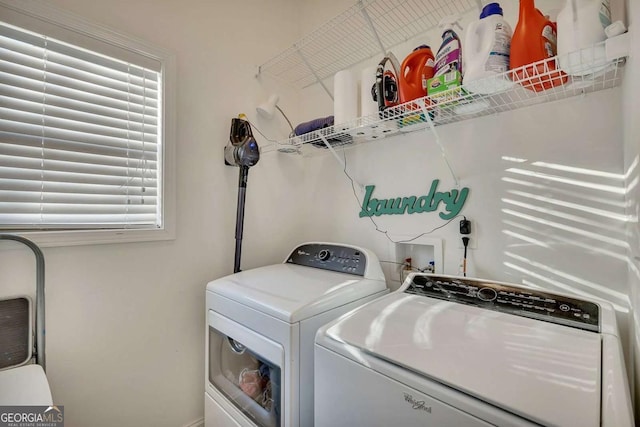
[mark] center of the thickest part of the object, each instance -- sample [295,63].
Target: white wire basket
[596,68]
[368,28]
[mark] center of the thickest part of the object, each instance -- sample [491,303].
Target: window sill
[47,239]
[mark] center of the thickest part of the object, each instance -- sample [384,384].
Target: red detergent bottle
[535,39]
[415,70]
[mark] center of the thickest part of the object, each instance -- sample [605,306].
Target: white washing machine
[458,352]
[261,325]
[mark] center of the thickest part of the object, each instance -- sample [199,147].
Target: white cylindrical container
[368,106]
[486,52]
[345,99]
[581,25]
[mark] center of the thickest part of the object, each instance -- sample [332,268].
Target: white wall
[533,224]
[631,103]
[126,321]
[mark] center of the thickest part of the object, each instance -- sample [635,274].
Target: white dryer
[261,325]
[458,352]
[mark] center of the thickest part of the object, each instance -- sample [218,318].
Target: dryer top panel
[343,259]
[337,257]
[292,292]
[541,371]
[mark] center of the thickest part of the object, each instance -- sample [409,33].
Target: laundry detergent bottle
[581,25]
[415,70]
[487,48]
[534,40]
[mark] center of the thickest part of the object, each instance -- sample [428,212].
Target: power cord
[386,233]
[260,132]
[465,243]
[465,229]
[286,118]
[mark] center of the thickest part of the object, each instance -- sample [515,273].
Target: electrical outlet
[465,226]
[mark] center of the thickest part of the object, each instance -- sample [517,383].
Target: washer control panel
[509,299]
[342,259]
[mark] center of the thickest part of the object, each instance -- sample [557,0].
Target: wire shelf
[596,68]
[368,28]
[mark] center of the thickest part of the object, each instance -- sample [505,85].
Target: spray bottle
[449,56]
[448,67]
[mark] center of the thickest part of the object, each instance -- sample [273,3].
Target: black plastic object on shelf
[334,141]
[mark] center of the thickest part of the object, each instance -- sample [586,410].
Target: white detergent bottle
[581,29]
[487,48]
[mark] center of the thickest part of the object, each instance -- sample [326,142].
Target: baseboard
[197,423]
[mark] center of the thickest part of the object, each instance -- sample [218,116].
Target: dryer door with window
[245,368]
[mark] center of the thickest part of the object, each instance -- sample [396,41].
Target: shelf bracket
[367,18]
[339,159]
[318,79]
[433,130]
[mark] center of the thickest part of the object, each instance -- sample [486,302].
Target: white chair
[22,362]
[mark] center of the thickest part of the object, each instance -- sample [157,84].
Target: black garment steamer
[385,89]
[242,151]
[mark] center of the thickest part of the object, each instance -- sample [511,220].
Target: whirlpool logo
[418,405]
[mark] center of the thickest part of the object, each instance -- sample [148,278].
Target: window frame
[72,237]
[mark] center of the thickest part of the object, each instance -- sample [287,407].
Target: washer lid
[292,292]
[547,373]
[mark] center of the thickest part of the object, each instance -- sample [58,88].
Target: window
[82,142]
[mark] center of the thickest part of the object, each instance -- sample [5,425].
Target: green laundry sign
[452,202]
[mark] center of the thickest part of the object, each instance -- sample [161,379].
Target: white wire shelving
[596,68]
[369,28]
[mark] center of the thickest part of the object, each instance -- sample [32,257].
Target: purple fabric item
[312,125]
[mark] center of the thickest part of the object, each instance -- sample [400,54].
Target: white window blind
[80,143]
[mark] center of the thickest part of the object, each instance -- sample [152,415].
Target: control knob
[324,255]
[487,294]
